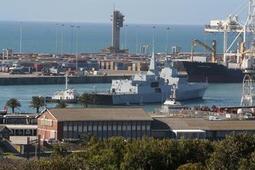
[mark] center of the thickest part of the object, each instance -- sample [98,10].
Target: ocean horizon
[46,37]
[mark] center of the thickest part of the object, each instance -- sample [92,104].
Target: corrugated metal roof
[97,114]
[202,124]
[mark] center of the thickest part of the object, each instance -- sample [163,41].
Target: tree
[13,103]
[37,102]
[61,104]
[192,166]
[84,99]
[231,152]
[59,150]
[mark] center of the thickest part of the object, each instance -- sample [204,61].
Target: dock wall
[58,80]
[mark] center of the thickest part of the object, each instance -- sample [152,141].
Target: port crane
[211,49]
[248,64]
[246,51]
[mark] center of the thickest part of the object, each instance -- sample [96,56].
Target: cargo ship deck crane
[212,49]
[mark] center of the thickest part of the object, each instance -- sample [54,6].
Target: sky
[184,12]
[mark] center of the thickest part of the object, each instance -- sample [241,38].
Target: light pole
[136,39]
[167,39]
[20,37]
[56,39]
[62,39]
[77,47]
[126,27]
[72,37]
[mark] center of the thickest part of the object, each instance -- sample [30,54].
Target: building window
[70,127]
[65,127]
[99,128]
[80,127]
[85,128]
[124,127]
[28,132]
[133,127]
[46,122]
[129,127]
[148,127]
[119,127]
[94,128]
[114,127]
[138,127]
[110,127]
[90,128]
[75,127]
[143,127]
[105,128]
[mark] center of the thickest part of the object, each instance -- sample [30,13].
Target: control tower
[117,23]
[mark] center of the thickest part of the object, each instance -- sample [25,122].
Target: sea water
[216,94]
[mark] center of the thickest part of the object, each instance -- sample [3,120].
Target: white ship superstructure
[68,95]
[184,89]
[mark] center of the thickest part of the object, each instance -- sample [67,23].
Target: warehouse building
[200,128]
[72,124]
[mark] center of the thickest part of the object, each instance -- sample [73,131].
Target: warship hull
[139,99]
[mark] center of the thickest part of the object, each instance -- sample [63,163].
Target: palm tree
[13,103]
[61,104]
[84,99]
[37,102]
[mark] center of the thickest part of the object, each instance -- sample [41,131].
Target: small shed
[4,132]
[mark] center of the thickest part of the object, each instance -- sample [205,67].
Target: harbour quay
[43,80]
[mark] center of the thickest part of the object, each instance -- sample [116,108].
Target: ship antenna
[114,7]
[152,63]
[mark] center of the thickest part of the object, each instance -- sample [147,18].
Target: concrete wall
[57,80]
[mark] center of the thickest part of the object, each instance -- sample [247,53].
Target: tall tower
[117,23]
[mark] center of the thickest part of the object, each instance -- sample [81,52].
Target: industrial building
[73,124]
[200,128]
[20,127]
[132,123]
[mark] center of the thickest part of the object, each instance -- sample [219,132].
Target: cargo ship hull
[212,72]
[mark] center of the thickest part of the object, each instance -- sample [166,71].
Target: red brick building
[72,124]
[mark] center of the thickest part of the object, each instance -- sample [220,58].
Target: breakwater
[43,80]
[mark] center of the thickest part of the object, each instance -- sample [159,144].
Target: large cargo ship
[212,72]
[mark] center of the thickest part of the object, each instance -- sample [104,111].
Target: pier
[44,80]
